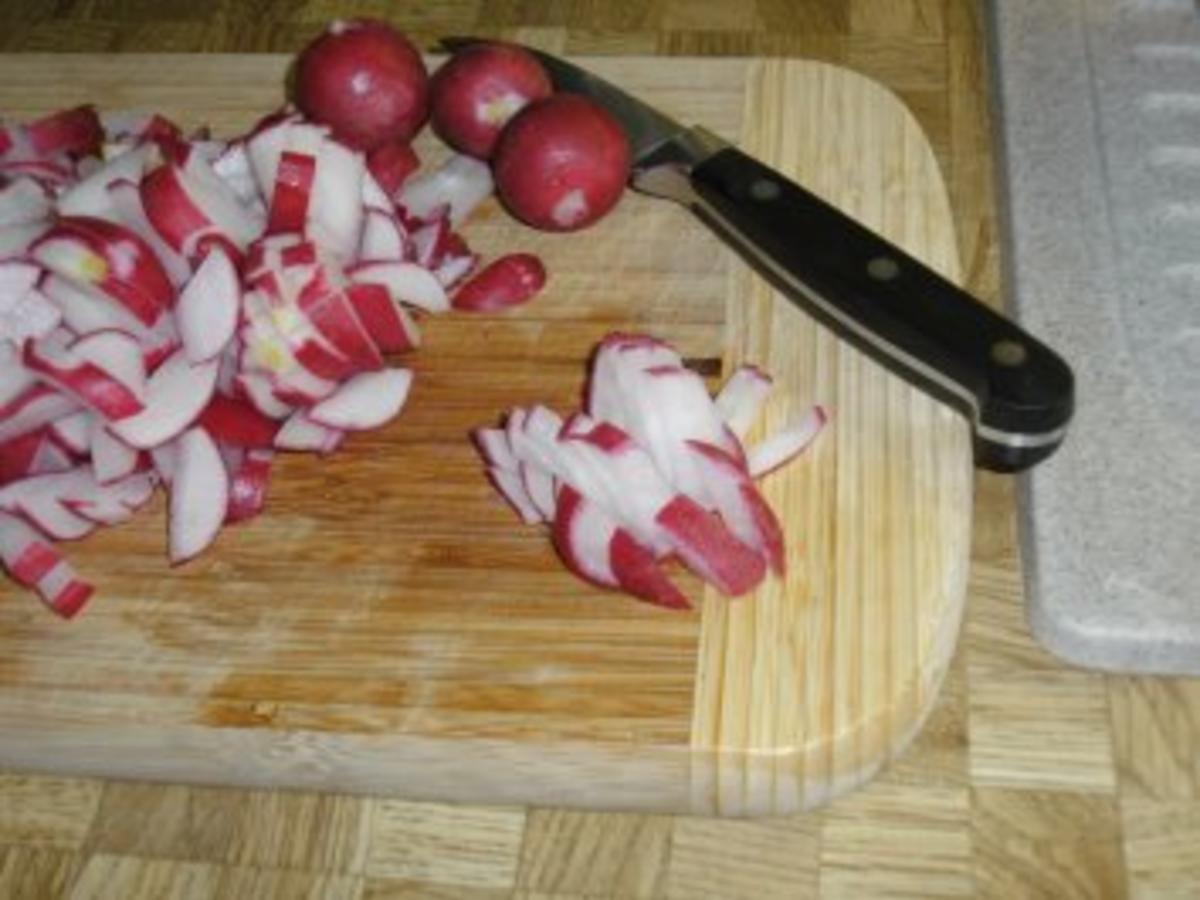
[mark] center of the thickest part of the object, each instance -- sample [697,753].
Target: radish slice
[199,495]
[406,282]
[164,459]
[582,535]
[236,422]
[785,445]
[118,354]
[126,201]
[208,307]
[369,400]
[175,395]
[17,279]
[23,202]
[461,183]
[301,433]
[741,398]
[82,379]
[336,212]
[731,493]
[256,388]
[512,488]
[75,431]
[16,240]
[292,192]
[34,563]
[38,499]
[28,314]
[383,237]
[509,281]
[494,447]
[541,488]
[388,323]
[248,486]
[31,409]
[51,456]
[112,459]
[92,196]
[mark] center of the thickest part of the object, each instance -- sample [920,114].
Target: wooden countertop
[1031,778]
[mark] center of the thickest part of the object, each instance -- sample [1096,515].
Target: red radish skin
[110,257]
[505,283]
[236,422]
[248,486]
[77,132]
[562,163]
[79,378]
[479,89]
[390,164]
[366,81]
[293,189]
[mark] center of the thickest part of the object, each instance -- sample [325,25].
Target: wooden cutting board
[389,627]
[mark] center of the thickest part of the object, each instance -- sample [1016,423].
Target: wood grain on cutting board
[388,627]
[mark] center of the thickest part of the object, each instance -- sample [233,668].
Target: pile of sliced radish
[174,311]
[652,468]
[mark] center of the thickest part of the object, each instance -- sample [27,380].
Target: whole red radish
[366,81]
[561,163]
[476,92]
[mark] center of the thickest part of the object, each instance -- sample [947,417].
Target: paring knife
[1017,393]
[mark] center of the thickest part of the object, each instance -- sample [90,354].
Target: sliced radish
[430,241]
[126,201]
[199,495]
[390,165]
[237,422]
[292,192]
[732,494]
[494,447]
[22,202]
[407,283]
[785,445]
[111,258]
[32,408]
[741,398]
[336,212]
[75,131]
[85,310]
[233,167]
[75,431]
[248,485]
[112,458]
[92,196]
[461,183]
[27,315]
[333,315]
[117,353]
[301,433]
[511,486]
[175,395]
[509,281]
[257,389]
[383,237]
[35,564]
[16,240]
[208,307]
[39,500]
[17,456]
[82,379]
[369,400]
[388,323]
[52,456]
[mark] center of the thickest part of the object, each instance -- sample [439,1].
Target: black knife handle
[1017,392]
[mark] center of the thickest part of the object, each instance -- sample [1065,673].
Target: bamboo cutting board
[388,627]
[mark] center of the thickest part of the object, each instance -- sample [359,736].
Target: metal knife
[1017,393]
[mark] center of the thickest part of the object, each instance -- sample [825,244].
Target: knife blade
[1017,393]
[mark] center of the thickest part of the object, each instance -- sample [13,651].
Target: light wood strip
[867,622]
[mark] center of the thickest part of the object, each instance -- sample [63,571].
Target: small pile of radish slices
[652,468]
[174,311]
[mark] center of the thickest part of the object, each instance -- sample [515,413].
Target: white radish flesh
[300,433]
[112,458]
[785,445]
[175,395]
[462,183]
[365,401]
[208,307]
[199,495]
[741,398]
[406,282]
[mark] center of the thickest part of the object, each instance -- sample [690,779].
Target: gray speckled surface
[1099,105]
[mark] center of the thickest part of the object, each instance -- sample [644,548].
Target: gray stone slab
[1099,129]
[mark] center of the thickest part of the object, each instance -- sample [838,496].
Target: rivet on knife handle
[1016,391]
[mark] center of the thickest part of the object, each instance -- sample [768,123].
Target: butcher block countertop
[1029,778]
